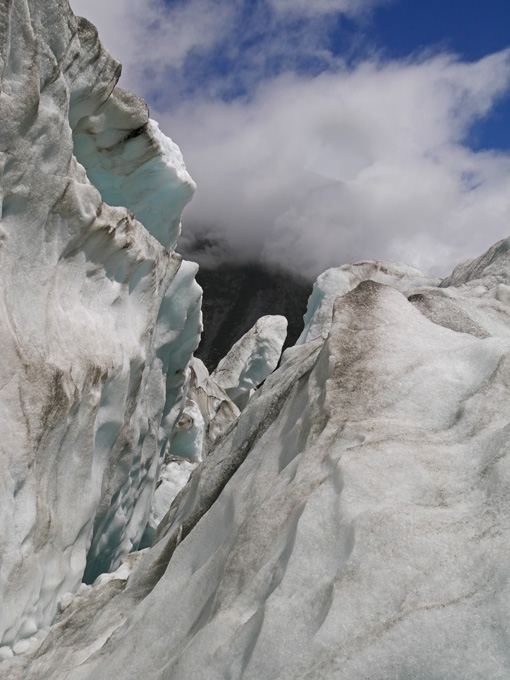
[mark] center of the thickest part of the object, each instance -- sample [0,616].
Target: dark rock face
[236,295]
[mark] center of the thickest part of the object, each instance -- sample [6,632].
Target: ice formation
[134,165]
[351,522]
[251,359]
[207,413]
[98,319]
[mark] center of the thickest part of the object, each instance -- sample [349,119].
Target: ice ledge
[133,164]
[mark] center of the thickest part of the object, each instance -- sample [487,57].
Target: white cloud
[317,7]
[351,165]
[170,45]
[150,37]
[316,170]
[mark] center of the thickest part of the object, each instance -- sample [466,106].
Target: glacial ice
[207,412]
[134,165]
[340,280]
[251,359]
[210,406]
[96,314]
[172,478]
[351,522]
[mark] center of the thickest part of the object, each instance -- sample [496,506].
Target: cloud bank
[303,157]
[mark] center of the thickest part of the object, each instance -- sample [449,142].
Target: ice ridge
[98,319]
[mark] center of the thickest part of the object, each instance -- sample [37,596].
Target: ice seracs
[208,410]
[98,319]
[352,521]
[251,359]
[134,165]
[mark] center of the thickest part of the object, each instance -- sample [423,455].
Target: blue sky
[396,30]
[470,29]
[321,132]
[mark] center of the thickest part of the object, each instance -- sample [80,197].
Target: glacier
[98,323]
[344,515]
[351,522]
[134,165]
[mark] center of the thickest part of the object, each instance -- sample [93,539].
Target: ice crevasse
[350,521]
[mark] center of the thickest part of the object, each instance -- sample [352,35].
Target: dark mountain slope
[235,296]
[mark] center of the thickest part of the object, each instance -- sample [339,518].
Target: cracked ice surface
[354,520]
[86,342]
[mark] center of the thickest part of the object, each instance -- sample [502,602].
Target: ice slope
[340,280]
[98,319]
[352,523]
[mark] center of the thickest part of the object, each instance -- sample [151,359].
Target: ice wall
[352,523]
[98,319]
[134,165]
